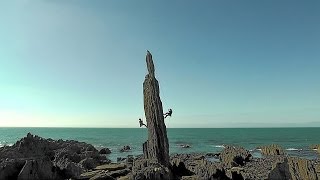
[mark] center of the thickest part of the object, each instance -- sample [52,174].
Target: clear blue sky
[76,63]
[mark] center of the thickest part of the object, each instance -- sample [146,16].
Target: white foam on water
[315,149]
[2,145]
[219,146]
[293,149]
[259,149]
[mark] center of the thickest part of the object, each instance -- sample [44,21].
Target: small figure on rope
[169,113]
[142,124]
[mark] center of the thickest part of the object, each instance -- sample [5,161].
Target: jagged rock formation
[149,169]
[195,166]
[232,156]
[34,157]
[301,168]
[192,166]
[271,150]
[293,168]
[155,162]
[157,146]
[105,151]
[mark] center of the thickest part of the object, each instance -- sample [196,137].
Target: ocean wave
[315,149]
[2,145]
[254,150]
[219,146]
[99,146]
[293,149]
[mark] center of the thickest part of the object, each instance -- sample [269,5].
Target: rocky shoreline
[34,157]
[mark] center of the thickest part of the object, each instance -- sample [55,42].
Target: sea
[296,141]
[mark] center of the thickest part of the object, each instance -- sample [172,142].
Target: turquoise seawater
[295,140]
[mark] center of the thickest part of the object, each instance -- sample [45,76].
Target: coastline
[200,140]
[85,164]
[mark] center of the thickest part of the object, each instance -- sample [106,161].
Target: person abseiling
[169,113]
[142,124]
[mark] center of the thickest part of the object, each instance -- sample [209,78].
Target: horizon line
[166,128]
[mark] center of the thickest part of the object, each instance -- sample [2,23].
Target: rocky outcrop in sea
[272,149]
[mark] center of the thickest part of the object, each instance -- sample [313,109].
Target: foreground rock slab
[111,167]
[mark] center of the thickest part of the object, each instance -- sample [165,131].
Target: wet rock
[105,151]
[185,146]
[125,148]
[271,150]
